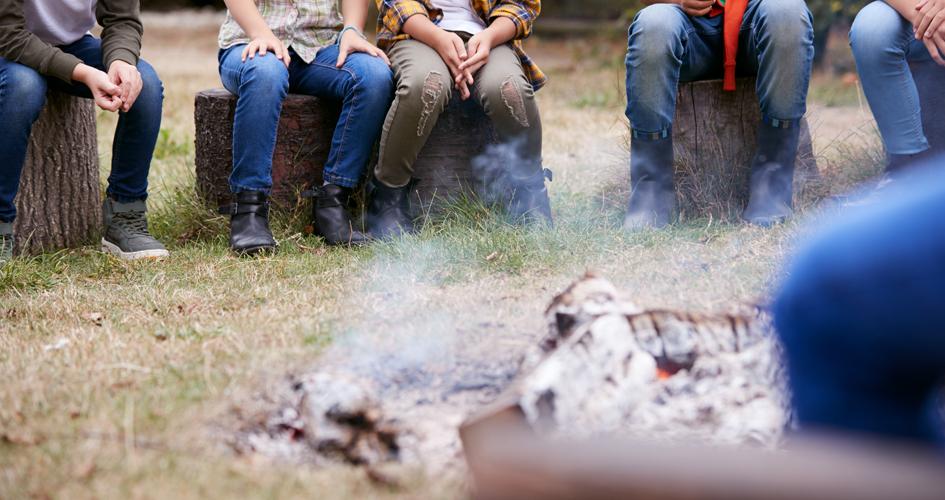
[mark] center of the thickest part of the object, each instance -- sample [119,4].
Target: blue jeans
[883,44]
[666,47]
[861,314]
[364,86]
[22,96]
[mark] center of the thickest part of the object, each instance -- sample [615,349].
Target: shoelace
[134,222]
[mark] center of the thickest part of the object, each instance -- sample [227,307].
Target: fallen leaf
[94,317]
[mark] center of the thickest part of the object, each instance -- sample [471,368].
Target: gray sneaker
[126,232]
[6,242]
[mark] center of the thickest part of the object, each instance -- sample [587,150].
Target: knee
[512,93]
[26,88]
[375,81]
[265,75]
[875,32]
[152,90]
[656,35]
[431,87]
[786,22]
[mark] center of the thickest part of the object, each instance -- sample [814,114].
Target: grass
[119,377]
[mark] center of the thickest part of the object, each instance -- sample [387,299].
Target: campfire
[605,367]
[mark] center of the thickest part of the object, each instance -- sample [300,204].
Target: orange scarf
[734,13]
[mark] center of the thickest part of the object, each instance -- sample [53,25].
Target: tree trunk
[59,201]
[714,136]
[302,145]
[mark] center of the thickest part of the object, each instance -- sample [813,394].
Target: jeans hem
[124,199]
[339,180]
[237,189]
[779,123]
[651,136]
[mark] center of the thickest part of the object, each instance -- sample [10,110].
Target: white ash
[603,367]
[606,367]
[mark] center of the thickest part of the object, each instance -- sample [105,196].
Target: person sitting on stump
[885,37]
[46,44]
[272,47]
[476,47]
[674,41]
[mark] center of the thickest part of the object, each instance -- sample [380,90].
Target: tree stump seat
[59,202]
[304,140]
[714,138]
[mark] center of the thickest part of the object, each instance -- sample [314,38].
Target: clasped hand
[464,59]
[929,25]
[114,91]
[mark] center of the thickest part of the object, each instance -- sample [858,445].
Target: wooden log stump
[714,136]
[302,145]
[304,140]
[59,200]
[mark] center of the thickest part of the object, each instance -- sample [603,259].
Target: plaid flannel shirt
[394,13]
[304,25]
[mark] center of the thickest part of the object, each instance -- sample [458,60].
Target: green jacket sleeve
[18,44]
[121,30]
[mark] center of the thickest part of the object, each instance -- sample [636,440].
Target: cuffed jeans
[861,313]
[666,47]
[424,89]
[22,96]
[364,86]
[883,45]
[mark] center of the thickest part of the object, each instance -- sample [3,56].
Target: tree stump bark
[714,135]
[304,139]
[59,200]
[302,145]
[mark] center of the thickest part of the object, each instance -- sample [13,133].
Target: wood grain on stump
[59,200]
[302,145]
[714,136]
[304,140]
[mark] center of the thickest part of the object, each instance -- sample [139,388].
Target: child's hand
[352,42]
[267,43]
[128,79]
[106,94]
[697,8]
[479,47]
[929,27]
[453,52]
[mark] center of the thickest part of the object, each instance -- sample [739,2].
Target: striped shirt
[304,25]
[394,13]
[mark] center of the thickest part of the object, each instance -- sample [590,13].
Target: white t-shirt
[458,15]
[59,22]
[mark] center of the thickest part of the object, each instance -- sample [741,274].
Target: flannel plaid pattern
[304,25]
[394,13]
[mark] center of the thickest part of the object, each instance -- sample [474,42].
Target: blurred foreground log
[59,202]
[714,134]
[507,464]
[304,140]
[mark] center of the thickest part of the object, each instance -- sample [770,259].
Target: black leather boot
[332,220]
[771,195]
[652,191]
[530,203]
[388,211]
[249,223]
